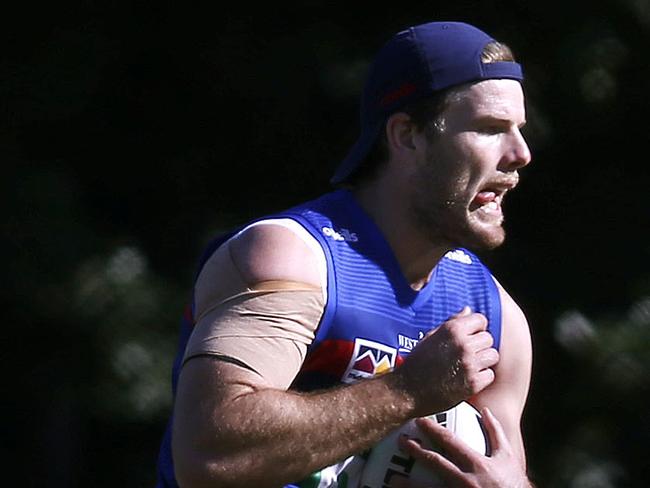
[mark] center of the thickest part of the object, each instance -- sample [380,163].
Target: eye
[493,129]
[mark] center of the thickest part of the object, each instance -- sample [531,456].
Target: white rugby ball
[387,462]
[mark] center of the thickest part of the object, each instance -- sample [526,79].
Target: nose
[516,154]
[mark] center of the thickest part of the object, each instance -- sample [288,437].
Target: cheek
[456,166]
[475,160]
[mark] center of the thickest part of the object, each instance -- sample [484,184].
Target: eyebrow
[502,120]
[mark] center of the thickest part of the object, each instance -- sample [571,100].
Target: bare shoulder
[272,252]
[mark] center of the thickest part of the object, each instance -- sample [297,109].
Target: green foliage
[131,312]
[604,445]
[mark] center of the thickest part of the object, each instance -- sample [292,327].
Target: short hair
[426,115]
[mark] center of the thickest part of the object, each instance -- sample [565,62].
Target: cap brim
[357,153]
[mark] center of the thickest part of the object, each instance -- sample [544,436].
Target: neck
[389,209]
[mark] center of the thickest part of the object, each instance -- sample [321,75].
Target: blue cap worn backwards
[415,63]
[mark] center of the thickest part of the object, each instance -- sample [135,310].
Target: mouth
[488,202]
[489,199]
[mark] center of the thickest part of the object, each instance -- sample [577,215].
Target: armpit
[267,327]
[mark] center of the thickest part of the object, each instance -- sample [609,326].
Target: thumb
[496,434]
[463,313]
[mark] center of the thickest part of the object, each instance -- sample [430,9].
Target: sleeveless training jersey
[372,318]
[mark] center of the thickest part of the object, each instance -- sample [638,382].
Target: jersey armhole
[494,320]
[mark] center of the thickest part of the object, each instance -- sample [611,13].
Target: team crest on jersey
[369,359]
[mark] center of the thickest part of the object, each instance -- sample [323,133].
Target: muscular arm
[506,396]
[236,427]
[233,430]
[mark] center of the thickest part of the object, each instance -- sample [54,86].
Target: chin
[456,229]
[483,239]
[482,234]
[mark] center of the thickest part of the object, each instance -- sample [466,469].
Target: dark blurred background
[134,131]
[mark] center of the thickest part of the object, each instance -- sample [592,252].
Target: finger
[487,358]
[454,449]
[470,324]
[436,462]
[479,380]
[494,429]
[481,340]
[463,313]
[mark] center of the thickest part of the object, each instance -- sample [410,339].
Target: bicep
[506,396]
[259,301]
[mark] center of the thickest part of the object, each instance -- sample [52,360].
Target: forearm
[233,428]
[268,437]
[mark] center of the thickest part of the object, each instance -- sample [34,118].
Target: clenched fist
[450,364]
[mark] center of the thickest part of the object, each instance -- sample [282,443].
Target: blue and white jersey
[372,317]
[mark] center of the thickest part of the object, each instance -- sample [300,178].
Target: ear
[400,135]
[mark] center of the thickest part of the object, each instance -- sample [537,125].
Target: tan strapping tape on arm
[268,329]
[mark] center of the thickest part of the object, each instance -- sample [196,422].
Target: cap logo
[404,90]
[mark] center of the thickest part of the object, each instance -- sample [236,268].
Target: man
[315,332]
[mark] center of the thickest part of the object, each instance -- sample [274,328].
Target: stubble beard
[441,206]
[450,225]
